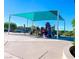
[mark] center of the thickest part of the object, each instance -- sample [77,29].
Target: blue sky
[65,7]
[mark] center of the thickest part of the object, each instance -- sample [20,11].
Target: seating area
[46,31]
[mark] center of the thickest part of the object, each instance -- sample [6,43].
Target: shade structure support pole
[27,22]
[32,23]
[24,29]
[9,24]
[64,26]
[57,24]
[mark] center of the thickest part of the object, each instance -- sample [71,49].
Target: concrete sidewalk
[10,56]
[25,37]
[20,46]
[36,49]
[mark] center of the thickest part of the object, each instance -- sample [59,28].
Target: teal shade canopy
[39,16]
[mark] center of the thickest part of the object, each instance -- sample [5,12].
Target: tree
[73,22]
[13,26]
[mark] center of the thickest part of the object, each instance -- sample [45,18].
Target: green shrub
[68,33]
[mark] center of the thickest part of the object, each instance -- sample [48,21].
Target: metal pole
[57,24]
[32,23]
[32,28]
[64,25]
[24,29]
[27,22]
[9,24]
